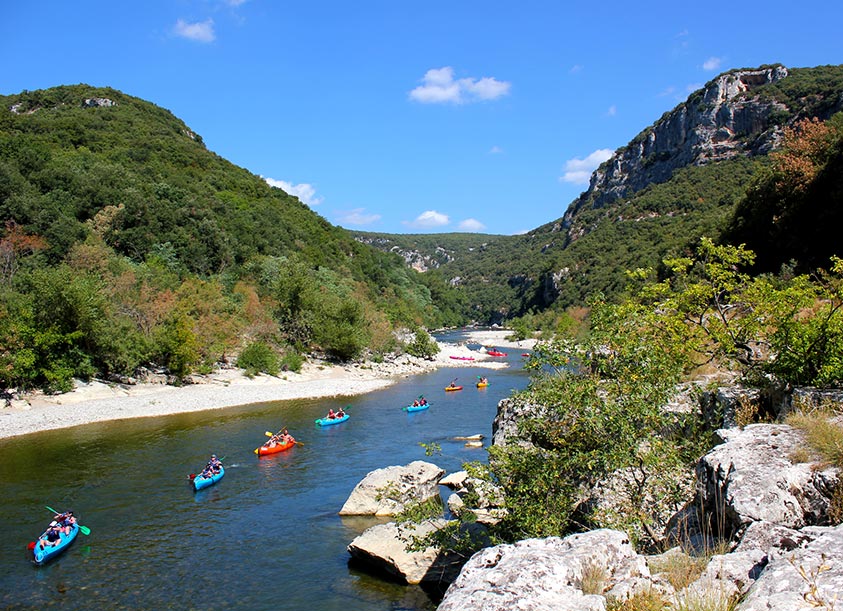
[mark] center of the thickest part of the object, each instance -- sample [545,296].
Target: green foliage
[292,361]
[793,211]
[598,413]
[157,232]
[422,346]
[257,358]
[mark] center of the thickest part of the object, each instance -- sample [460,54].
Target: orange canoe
[453,388]
[279,447]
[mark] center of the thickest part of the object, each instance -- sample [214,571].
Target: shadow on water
[267,536]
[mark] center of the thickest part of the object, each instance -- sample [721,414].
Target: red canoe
[279,447]
[495,353]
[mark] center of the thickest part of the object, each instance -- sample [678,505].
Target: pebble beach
[98,401]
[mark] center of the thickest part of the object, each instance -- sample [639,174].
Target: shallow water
[267,536]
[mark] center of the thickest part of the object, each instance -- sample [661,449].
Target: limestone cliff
[726,118]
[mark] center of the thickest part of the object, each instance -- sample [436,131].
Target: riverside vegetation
[126,245]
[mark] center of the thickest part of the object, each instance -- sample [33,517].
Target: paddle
[83,529]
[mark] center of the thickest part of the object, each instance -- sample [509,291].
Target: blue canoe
[330,421]
[42,555]
[416,408]
[200,482]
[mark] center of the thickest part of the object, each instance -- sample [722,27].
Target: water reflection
[267,536]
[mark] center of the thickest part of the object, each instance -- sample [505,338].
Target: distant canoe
[453,388]
[482,384]
[330,421]
[416,408]
[462,358]
[495,353]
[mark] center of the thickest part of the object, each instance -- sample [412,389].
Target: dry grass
[594,578]
[641,601]
[710,600]
[822,433]
[747,411]
[679,569]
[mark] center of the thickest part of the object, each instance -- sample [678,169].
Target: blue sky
[412,117]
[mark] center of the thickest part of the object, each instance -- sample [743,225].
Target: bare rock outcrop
[810,577]
[544,574]
[754,477]
[387,491]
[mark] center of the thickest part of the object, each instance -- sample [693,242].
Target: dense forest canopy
[126,243]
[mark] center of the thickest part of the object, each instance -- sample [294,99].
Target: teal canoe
[330,421]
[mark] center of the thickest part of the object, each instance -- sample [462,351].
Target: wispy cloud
[712,63]
[613,110]
[578,171]
[304,191]
[439,87]
[495,150]
[357,216]
[200,31]
[428,220]
[576,69]
[471,225]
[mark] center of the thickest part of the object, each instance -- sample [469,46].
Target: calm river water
[265,537]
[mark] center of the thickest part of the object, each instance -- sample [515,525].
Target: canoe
[416,408]
[330,421]
[482,384]
[463,358]
[495,353]
[279,447]
[51,551]
[200,482]
[453,388]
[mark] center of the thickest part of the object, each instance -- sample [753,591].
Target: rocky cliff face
[718,122]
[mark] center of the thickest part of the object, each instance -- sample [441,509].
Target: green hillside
[127,243]
[563,262]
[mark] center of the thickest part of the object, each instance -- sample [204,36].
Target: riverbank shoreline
[98,401]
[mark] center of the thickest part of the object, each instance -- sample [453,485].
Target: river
[267,536]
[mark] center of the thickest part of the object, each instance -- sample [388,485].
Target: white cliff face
[718,122]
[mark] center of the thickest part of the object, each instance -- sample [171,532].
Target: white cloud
[440,87]
[576,68]
[201,31]
[471,225]
[578,171]
[495,150]
[613,110]
[305,192]
[428,220]
[712,63]
[692,87]
[357,216]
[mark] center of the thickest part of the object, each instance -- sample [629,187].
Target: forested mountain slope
[679,179]
[126,243]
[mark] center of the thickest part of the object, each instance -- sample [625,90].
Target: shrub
[292,361]
[422,346]
[257,358]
